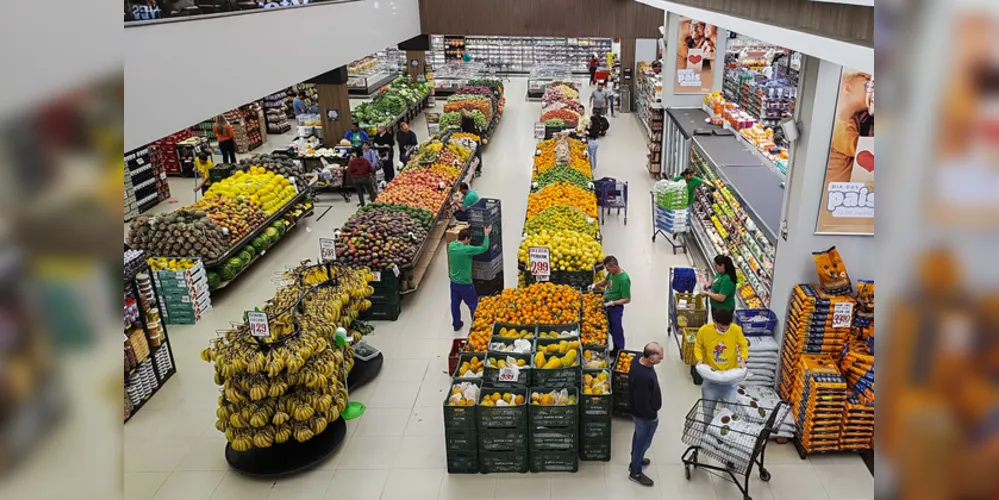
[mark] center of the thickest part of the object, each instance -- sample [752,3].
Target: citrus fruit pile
[594,324]
[562,193]
[540,303]
[562,217]
[569,250]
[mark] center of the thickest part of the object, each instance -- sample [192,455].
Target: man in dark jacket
[407,142]
[644,400]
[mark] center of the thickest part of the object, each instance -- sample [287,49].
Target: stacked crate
[164,152]
[183,295]
[819,397]
[808,330]
[503,432]
[386,301]
[595,421]
[554,433]
[487,268]
[461,436]
[619,382]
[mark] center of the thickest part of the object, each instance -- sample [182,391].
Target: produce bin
[573,328]
[531,329]
[463,357]
[487,270]
[485,212]
[463,462]
[696,316]
[503,440]
[457,346]
[461,441]
[555,416]
[569,377]
[495,462]
[554,461]
[460,418]
[598,449]
[381,312]
[498,417]
[596,405]
[597,353]
[492,375]
[595,429]
[619,384]
[553,438]
[579,280]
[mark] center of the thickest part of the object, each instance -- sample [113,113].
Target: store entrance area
[396,449]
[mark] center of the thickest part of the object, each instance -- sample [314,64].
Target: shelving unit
[164,155]
[650,113]
[275,113]
[145,182]
[151,363]
[448,77]
[373,72]
[245,121]
[518,55]
[740,218]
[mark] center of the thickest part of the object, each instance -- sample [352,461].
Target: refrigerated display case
[542,75]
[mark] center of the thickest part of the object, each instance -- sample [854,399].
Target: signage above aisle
[695,57]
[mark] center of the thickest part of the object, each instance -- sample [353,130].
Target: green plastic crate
[596,405]
[553,438]
[491,376]
[461,417]
[509,417]
[463,462]
[495,462]
[503,439]
[555,461]
[555,416]
[595,449]
[595,429]
[461,441]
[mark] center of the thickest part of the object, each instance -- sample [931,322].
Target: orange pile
[594,324]
[562,193]
[540,303]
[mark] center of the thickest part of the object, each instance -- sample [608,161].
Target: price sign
[395,269]
[842,315]
[327,249]
[378,275]
[539,259]
[539,131]
[258,324]
[509,374]
[139,160]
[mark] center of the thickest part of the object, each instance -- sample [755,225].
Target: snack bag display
[832,272]
[864,313]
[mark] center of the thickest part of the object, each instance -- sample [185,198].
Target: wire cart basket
[733,435]
[611,194]
[672,224]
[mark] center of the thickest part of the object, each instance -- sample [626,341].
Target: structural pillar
[416,63]
[628,62]
[334,104]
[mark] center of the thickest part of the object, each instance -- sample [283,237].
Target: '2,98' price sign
[258,324]
[327,249]
[539,260]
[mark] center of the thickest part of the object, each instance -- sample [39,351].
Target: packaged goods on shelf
[650,113]
[512,54]
[819,397]
[145,184]
[809,329]
[184,294]
[147,350]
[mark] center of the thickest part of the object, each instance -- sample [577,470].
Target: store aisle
[396,450]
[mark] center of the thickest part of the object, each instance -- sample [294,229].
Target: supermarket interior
[507,263]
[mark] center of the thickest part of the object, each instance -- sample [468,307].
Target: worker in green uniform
[692,183]
[468,198]
[617,293]
[721,295]
[459,258]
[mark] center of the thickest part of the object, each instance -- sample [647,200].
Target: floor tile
[523,486]
[467,487]
[588,482]
[726,489]
[361,484]
[189,485]
[674,484]
[846,481]
[420,452]
[143,485]
[415,484]
[369,452]
[426,421]
[791,482]
[394,395]
[383,422]
[235,486]
[156,454]
[206,454]
[301,488]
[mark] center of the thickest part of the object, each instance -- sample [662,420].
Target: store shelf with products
[147,183]
[400,100]
[518,55]
[164,155]
[275,113]
[246,126]
[446,78]
[368,75]
[740,219]
[650,113]
[149,361]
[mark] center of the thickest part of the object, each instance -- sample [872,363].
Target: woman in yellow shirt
[722,346]
[202,164]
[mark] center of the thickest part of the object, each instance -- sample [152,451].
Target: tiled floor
[396,450]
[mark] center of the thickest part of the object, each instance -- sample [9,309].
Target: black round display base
[288,457]
[364,372]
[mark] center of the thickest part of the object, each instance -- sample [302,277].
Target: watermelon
[228,271]
[279,226]
[271,233]
[235,263]
[245,257]
[213,280]
[260,243]
[249,249]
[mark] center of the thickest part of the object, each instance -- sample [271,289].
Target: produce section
[391,105]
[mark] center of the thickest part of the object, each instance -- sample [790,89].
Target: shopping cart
[672,224]
[611,193]
[684,324]
[733,435]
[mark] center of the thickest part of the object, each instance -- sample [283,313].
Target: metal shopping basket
[611,193]
[733,435]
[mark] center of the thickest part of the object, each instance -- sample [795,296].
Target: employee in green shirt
[617,293]
[692,183]
[468,198]
[721,295]
[459,257]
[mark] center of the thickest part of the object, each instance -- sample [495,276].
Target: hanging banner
[695,57]
[848,191]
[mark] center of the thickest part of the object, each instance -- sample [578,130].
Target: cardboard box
[452,233]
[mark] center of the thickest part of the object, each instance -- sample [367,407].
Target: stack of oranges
[540,303]
[562,193]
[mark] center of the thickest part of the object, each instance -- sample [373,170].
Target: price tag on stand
[842,315]
[539,260]
[509,374]
[539,131]
[327,249]
[378,275]
[395,269]
[258,324]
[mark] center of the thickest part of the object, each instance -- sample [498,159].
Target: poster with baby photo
[695,57]
[848,192]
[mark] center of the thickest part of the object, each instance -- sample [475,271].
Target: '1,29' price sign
[258,323]
[842,315]
[539,260]
[327,249]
